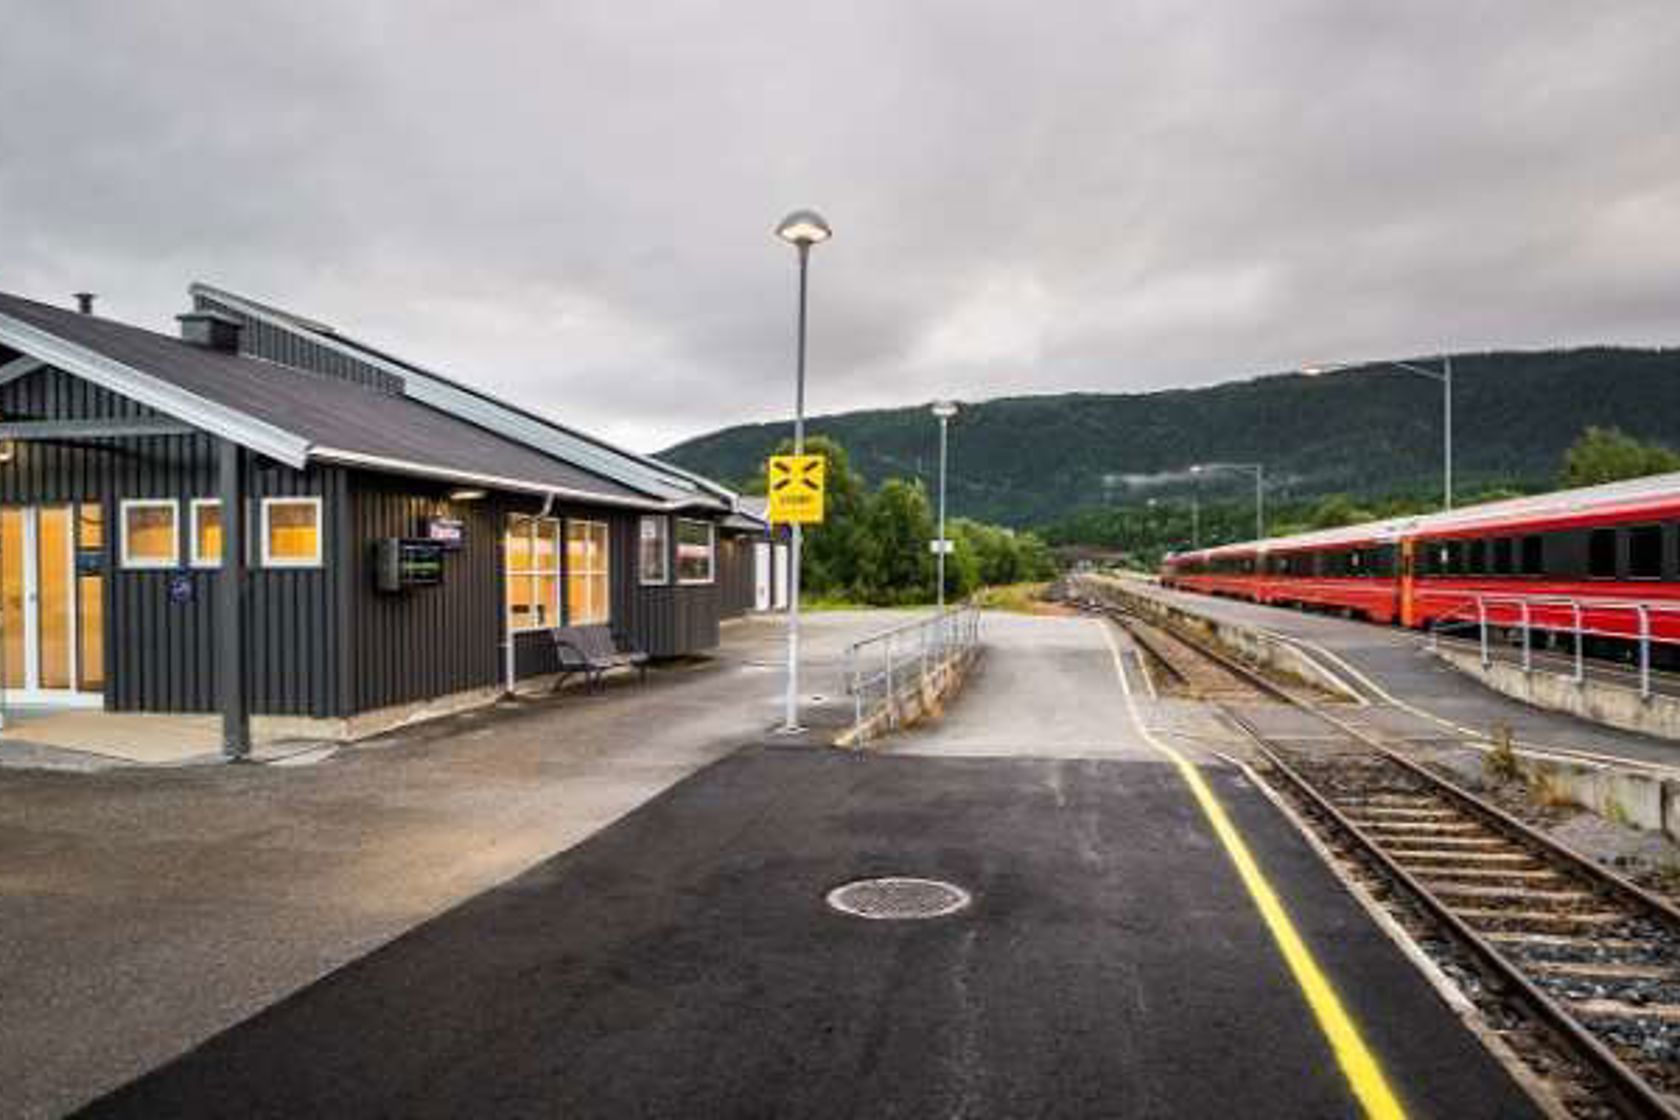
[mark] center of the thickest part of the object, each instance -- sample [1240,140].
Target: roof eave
[154,392]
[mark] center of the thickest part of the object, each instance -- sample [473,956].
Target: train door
[1408,574]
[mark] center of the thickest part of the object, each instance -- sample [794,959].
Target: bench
[593,651]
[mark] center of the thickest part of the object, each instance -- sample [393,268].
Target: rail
[912,658]
[1491,611]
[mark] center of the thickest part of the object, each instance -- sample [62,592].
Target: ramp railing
[1580,618]
[895,671]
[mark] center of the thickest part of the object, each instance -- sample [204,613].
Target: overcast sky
[571,202]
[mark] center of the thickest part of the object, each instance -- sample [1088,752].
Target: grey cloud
[571,202]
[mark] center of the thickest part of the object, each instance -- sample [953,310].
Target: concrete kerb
[1277,657]
[1598,701]
[925,700]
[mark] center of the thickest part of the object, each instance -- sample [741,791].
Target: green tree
[1335,511]
[1610,454]
[833,548]
[896,565]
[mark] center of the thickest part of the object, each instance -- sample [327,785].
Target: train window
[1645,549]
[1533,556]
[1477,564]
[1601,554]
[1502,559]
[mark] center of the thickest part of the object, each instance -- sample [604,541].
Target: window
[1645,549]
[150,534]
[531,553]
[696,551]
[206,533]
[1503,556]
[654,559]
[1601,554]
[1477,564]
[588,585]
[291,532]
[1533,555]
[90,598]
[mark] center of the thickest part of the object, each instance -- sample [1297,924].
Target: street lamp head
[944,409]
[803,228]
[1195,468]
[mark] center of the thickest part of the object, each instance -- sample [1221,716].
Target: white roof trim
[625,467]
[495,481]
[126,381]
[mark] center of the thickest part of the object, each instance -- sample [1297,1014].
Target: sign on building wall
[449,532]
[796,488]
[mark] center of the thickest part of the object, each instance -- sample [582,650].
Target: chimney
[84,302]
[213,330]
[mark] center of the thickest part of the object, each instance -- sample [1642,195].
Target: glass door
[51,633]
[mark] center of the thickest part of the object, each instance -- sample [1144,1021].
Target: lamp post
[1259,472]
[943,410]
[1444,375]
[1196,508]
[801,229]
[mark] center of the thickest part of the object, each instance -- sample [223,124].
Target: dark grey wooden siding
[159,655]
[325,641]
[736,582]
[426,641]
[264,340]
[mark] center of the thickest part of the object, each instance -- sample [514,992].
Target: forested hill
[1370,431]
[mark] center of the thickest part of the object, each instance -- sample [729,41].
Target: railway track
[1588,957]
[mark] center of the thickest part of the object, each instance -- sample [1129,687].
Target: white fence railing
[909,659]
[1487,612]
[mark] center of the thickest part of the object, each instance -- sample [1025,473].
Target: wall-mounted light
[8,448]
[465,495]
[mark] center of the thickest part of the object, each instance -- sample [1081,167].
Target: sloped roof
[641,472]
[293,415]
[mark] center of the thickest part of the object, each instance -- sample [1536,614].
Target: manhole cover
[898,899]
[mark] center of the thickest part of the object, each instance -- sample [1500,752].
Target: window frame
[665,555]
[193,559]
[264,527]
[126,556]
[711,551]
[1604,532]
[532,572]
[605,571]
[1656,529]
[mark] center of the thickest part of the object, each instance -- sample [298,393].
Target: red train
[1601,562]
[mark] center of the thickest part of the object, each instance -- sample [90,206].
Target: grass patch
[1022,598]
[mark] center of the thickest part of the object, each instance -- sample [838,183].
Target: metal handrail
[881,667]
[1578,608]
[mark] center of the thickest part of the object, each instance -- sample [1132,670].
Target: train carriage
[1601,563]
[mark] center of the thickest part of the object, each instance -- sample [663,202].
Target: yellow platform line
[1359,1065]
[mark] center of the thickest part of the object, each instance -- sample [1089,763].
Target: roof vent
[213,330]
[84,302]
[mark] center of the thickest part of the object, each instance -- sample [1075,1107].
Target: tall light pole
[1258,470]
[1444,375]
[1196,508]
[943,410]
[801,229]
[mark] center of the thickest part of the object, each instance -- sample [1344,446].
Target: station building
[404,541]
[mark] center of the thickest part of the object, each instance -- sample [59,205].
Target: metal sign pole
[790,715]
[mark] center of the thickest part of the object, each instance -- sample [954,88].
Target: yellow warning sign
[796,489]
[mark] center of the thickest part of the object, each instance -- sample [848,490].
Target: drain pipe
[507,617]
